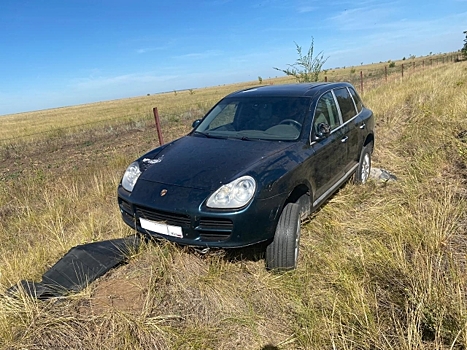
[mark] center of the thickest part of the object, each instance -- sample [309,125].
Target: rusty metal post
[402,70]
[361,81]
[386,73]
[158,126]
[326,78]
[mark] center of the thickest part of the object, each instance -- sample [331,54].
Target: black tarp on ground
[79,267]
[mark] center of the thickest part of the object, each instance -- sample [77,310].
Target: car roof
[292,90]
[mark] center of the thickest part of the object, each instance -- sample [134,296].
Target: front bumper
[201,226]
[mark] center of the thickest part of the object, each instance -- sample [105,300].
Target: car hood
[207,163]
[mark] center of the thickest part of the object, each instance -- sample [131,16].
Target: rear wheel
[364,166]
[282,252]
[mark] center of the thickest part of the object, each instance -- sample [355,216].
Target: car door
[329,150]
[350,131]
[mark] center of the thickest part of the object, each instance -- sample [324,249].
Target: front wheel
[364,166]
[282,252]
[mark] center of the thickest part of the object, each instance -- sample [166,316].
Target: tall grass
[382,266]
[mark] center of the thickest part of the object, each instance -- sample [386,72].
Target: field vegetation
[382,266]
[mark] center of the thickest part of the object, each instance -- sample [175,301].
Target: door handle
[363,126]
[344,139]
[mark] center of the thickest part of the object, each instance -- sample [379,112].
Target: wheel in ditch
[364,166]
[282,252]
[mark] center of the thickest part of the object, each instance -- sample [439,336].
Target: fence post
[386,73]
[361,81]
[158,125]
[326,78]
[402,70]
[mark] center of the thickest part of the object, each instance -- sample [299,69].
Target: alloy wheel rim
[365,168]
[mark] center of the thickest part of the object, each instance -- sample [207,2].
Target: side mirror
[196,123]
[323,130]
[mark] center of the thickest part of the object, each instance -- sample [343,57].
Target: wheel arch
[302,194]
[370,139]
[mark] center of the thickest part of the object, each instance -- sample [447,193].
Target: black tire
[282,252]
[364,165]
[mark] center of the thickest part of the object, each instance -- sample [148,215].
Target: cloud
[383,31]
[396,39]
[306,9]
[151,49]
[200,55]
[363,18]
[216,2]
[97,83]
[145,50]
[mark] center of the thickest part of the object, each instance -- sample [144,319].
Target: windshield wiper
[199,133]
[241,136]
[211,136]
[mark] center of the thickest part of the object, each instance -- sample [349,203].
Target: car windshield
[265,118]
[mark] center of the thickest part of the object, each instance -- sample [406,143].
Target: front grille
[214,229]
[129,219]
[125,206]
[166,217]
[208,229]
[215,224]
[213,236]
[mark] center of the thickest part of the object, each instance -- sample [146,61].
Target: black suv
[259,161]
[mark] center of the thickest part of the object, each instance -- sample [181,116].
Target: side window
[357,100]
[326,112]
[345,103]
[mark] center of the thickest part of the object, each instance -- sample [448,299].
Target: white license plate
[160,227]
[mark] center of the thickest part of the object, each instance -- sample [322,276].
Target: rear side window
[357,100]
[345,103]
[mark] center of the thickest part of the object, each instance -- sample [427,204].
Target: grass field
[382,266]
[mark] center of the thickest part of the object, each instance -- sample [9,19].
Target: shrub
[307,68]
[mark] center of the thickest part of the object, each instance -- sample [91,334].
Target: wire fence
[374,76]
[182,114]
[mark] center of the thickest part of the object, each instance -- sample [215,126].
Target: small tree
[307,67]
[464,49]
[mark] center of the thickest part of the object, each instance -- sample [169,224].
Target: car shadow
[269,347]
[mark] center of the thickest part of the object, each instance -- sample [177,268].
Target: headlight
[233,195]
[130,177]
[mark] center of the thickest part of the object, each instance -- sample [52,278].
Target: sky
[56,53]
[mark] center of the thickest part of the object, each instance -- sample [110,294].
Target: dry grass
[136,111]
[382,266]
